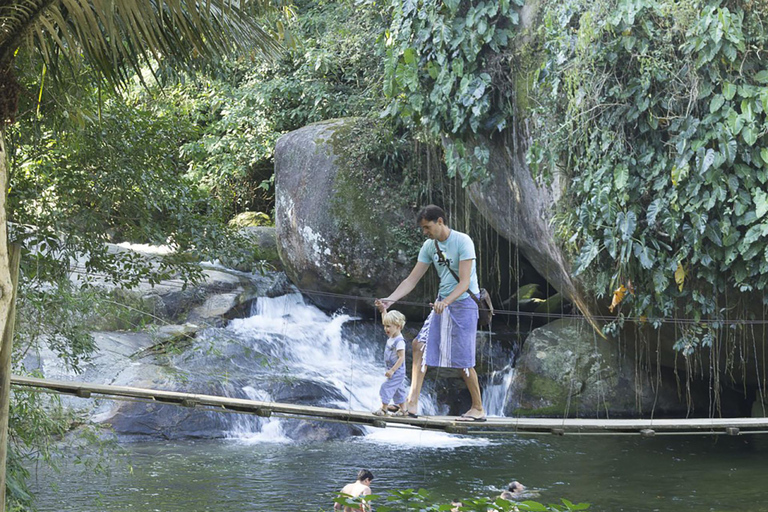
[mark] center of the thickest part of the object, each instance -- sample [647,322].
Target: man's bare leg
[417,377]
[470,379]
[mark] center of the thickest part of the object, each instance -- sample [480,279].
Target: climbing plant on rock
[437,76]
[656,111]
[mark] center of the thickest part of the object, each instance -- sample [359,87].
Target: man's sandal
[380,412]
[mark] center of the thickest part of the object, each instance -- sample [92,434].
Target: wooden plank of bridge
[558,426]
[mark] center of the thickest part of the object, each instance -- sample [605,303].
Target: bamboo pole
[451,424]
[5,367]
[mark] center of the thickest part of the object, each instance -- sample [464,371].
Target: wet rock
[566,369]
[305,392]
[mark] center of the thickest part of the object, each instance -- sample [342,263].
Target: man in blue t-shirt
[449,334]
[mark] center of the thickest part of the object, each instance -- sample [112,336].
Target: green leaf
[653,212]
[746,110]
[762,77]
[716,103]
[764,155]
[627,222]
[729,90]
[452,5]
[645,255]
[761,202]
[753,235]
[433,70]
[620,176]
[589,252]
[708,160]
[409,55]
[532,506]
[749,134]
[735,122]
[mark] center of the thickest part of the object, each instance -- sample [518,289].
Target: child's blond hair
[393,317]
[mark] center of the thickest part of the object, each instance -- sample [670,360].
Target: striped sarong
[451,336]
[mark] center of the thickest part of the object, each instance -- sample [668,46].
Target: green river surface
[613,473]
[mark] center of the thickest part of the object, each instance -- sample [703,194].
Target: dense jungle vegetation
[168,160]
[654,111]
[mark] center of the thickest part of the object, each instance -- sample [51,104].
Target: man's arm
[465,274]
[406,286]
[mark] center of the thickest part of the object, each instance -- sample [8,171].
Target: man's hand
[383,304]
[439,306]
[388,373]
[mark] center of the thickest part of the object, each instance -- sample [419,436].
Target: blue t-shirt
[457,247]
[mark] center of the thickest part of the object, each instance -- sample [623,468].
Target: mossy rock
[345,226]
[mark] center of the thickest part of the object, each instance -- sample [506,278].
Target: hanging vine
[657,112]
[437,74]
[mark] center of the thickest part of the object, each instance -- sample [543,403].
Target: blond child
[393,389]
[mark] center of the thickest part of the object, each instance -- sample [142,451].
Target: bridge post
[6,348]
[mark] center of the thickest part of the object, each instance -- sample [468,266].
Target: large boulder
[343,229]
[515,203]
[520,207]
[565,369]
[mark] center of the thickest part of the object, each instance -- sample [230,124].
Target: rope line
[605,318]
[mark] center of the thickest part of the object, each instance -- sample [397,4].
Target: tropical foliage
[656,111]
[422,501]
[332,70]
[115,39]
[439,67]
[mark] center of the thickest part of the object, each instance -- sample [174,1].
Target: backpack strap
[441,259]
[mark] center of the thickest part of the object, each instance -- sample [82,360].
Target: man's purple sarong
[451,336]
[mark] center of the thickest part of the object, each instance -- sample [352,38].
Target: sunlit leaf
[680,275]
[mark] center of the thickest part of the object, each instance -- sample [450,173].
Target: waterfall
[496,391]
[287,339]
[300,343]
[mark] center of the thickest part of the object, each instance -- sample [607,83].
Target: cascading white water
[496,391]
[303,343]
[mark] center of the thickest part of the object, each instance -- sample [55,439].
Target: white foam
[271,432]
[410,438]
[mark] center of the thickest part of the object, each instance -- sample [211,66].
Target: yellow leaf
[680,276]
[618,296]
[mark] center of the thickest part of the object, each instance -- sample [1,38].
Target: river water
[258,468]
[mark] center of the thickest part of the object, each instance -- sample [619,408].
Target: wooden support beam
[452,424]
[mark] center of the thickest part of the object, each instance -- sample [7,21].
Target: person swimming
[514,490]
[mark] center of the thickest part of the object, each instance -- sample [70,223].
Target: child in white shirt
[393,389]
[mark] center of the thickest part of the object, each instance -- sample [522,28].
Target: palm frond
[119,36]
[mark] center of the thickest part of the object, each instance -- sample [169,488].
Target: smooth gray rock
[338,233]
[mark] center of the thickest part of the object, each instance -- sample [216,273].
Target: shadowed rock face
[564,368]
[520,209]
[335,227]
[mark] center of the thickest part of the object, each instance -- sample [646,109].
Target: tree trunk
[7,312]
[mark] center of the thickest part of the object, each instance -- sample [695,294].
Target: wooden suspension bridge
[450,424]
